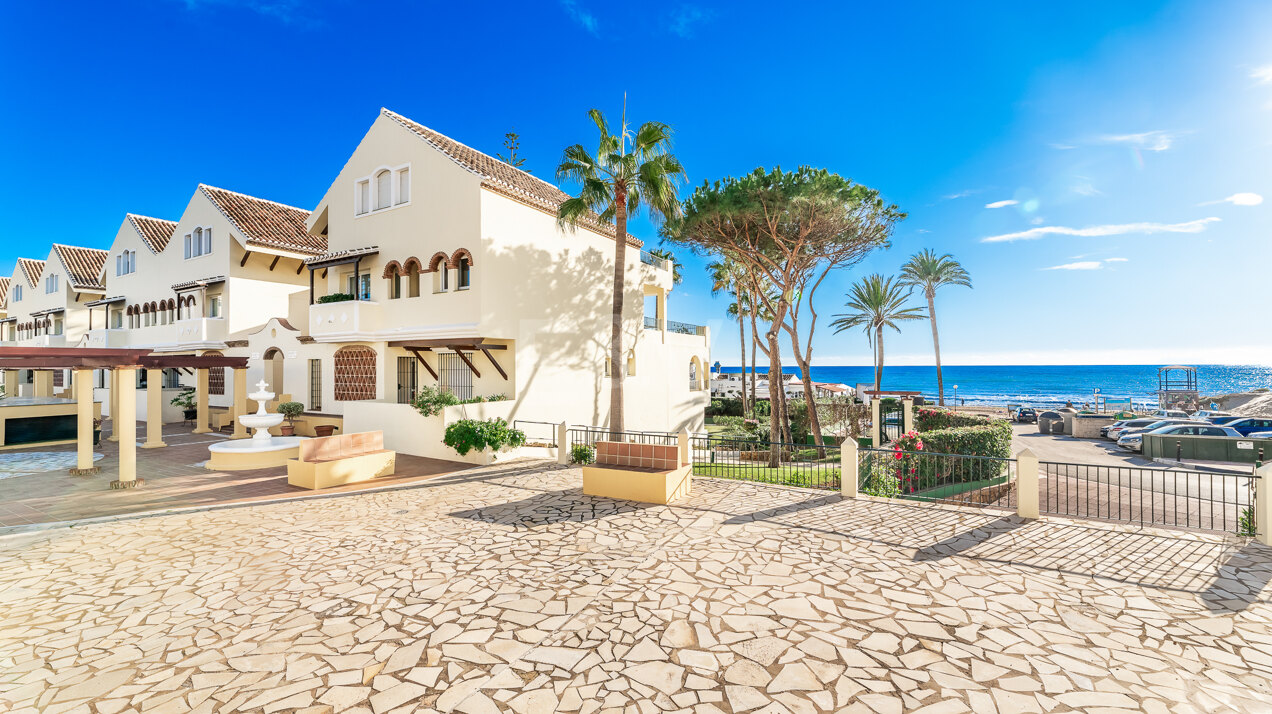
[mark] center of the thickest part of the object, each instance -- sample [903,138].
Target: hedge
[931,419]
[992,438]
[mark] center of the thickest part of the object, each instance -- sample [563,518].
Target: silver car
[1135,441]
[1130,425]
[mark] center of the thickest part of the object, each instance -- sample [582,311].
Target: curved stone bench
[338,460]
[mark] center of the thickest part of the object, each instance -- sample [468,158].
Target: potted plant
[289,410]
[324,429]
[97,432]
[185,400]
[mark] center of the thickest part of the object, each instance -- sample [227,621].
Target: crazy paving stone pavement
[508,590]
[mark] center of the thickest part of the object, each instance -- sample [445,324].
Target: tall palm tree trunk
[878,360]
[936,346]
[618,365]
[742,356]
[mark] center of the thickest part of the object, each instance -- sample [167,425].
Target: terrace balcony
[101,338]
[200,329]
[348,318]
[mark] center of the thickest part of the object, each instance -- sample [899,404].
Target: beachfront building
[47,307]
[728,385]
[446,268]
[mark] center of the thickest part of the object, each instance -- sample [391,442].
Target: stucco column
[43,383]
[127,425]
[240,403]
[876,429]
[154,409]
[563,443]
[907,411]
[1263,504]
[849,463]
[84,424]
[201,401]
[1026,484]
[11,383]
[114,405]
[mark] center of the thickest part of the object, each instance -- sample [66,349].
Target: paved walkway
[36,488]
[505,589]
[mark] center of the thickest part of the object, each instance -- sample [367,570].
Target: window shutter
[118,262]
[207,241]
[187,246]
[404,186]
[383,189]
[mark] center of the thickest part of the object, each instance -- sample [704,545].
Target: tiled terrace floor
[506,589]
[173,480]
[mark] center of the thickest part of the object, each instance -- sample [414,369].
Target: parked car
[1170,414]
[1206,414]
[1251,425]
[1104,430]
[1120,428]
[1026,415]
[1226,419]
[1135,442]
[1130,439]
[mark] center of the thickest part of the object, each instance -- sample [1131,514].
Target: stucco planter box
[637,484]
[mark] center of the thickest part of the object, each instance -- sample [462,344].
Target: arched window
[383,189]
[695,371]
[411,269]
[354,373]
[464,273]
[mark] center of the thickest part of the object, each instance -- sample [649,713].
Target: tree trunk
[878,361]
[618,365]
[776,394]
[742,356]
[755,342]
[814,422]
[936,347]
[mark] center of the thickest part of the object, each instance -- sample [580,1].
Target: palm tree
[929,271]
[726,275]
[879,302]
[670,257]
[628,171]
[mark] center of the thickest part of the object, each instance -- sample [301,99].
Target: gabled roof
[31,269]
[83,265]
[500,176]
[4,292]
[266,223]
[156,232]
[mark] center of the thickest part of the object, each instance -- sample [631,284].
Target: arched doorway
[274,370]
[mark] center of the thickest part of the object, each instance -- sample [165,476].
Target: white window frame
[17,293]
[198,242]
[395,188]
[50,284]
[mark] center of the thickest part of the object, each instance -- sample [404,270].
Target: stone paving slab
[504,589]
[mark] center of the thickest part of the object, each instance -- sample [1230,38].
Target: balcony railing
[684,328]
[652,323]
[348,316]
[201,329]
[650,259]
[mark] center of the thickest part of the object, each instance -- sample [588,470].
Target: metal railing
[538,432]
[749,460]
[984,481]
[589,435]
[650,259]
[652,323]
[684,328]
[1174,498]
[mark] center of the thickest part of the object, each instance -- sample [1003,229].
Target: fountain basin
[247,454]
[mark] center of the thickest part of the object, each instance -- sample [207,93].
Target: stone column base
[149,445]
[117,485]
[90,471]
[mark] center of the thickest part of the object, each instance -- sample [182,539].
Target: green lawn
[950,490]
[808,477]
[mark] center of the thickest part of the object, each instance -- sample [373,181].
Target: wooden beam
[274,262]
[467,361]
[491,357]
[246,254]
[324,273]
[301,267]
[420,357]
[475,343]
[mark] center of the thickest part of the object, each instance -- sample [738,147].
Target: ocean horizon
[1040,385]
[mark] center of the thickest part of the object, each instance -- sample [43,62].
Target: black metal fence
[746,460]
[1174,498]
[941,478]
[589,435]
[537,432]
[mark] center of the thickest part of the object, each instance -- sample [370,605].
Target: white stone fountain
[261,451]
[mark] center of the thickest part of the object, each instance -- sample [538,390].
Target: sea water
[1043,385]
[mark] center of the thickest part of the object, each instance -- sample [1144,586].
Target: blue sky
[1099,168]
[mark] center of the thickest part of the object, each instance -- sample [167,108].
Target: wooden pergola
[456,345]
[123,363]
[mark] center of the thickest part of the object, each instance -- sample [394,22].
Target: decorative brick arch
[406,267]
[461,253]
[439,258]
[354,373]
[391,269]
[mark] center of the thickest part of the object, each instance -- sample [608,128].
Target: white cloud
[1083,265]
[1037,221]
[1148,140]
[686,17]
[1061,147]
[961,194]
[1085,188]
[1118,229]
[1237,199]
[1116,260]
[1262,75]
[579,15]
[1002,204]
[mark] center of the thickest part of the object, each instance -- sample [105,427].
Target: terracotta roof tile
[31,269]
[83,265]
[266,223]
[156,232]
[501,176]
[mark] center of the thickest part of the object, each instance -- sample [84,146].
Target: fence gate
[406,380]
[892,420]
[454,376]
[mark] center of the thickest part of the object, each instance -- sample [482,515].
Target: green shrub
[931,419]
[185,399]
[431,400]
[1246,525]
[880,478]
[582,454]
[724,407]
[762,408]
[336,297]
[474,435]
[290,410]
[940,464]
